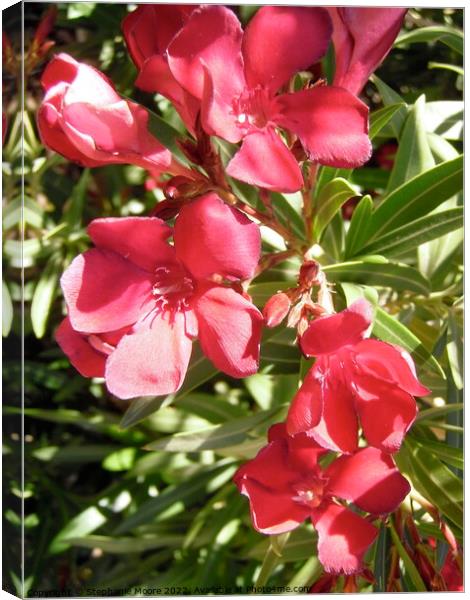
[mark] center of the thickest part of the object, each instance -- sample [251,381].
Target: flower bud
[308,274]
[276,309]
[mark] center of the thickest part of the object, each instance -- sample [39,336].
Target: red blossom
[155,298]
[286,485]
[354,380]
[83,118]
[362,38]
[148,30]
[236,75]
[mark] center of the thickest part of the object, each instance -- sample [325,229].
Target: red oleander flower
[362,38]
[237,76]
[83,118]
[135,302]
[354,380]
[285,485]
[148,30]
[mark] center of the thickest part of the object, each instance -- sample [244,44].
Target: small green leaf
[127,545]
[380,118]
[358,228]
[330,199]
[442,451]
[7,310]
[167,135]
[120,460]
[44,295]
[455,349]
[86,522]
[74,208]
[418,232]
[450,36]
[445,118]
[390,97]
[408,563]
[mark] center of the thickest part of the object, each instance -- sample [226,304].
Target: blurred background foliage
[104,511]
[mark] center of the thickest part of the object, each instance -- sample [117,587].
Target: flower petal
[105,292]
[141,240]
[329,334]
[152,359]
[343,538]
[306,407]
[331,124]
[265,160]
[389,363]
[272,50]
[88,361]
[396,409]
[214,238]
[229,330]
[370,479]
[211,36]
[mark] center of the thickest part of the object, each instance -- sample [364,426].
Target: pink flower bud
[276,309]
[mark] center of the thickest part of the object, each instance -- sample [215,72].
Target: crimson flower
[362,38]
[83,118]
[286,485]
[237,75]
[148,30]
[354,380]
[135,302]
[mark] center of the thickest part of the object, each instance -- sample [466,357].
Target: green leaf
[333,237]
[7,310]
[390,97]
[78,10]
[379,273]
[87,521]
[454,348]
[287,208]
[127,545]
[417,197]
[217,436]
[390,330]
[432,479]
[167,135]
[261,292]
[414,155]
[442,451]
[120,460]
[445,118]
[357,232]
[74,208]
[438,411]
[418,232]
[328,202]
[408,563]
[450,36]
[18,210]
[44,295]
[382,117]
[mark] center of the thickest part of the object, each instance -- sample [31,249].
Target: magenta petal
[362,38]
[211,36]
[343,538]
[88,361]
[265,160]
[329,334]
[152,359]
[105,292]
[306,407]
[214,238]
[370,479]
[389,363]
[331,124]
[217,114]
[229,330]
[275,43]
[141,240]
[386,412]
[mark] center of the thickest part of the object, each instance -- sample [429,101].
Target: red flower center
[252,108]
[310,491]
[173,288]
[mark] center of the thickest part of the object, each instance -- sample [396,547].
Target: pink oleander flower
[286,485]
[354,381]
[83,118]
[148,30]
[135,302]
[237,76]
[362,38]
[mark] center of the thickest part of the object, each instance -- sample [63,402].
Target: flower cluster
[147,289]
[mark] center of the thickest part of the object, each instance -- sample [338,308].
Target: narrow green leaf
[417,197]
[408,563]
[127,545]
[333,237]
[414,155]
[381,273]
[7,310]
[446,453]
[287,208]
[438,411]
[357,232]
[390,97]
[445,118]
[454,348]
[328,202]
[390,330]
[418,232]
[167,135]
[217,436]
[86,522]
[44,295]
[450,36]
[380,118]
[74,208]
